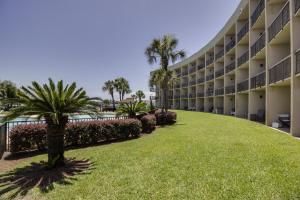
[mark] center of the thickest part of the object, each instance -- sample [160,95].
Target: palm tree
[158,77]
[55,103]
[164,50]
[140,95]
[122,87]
[8,91]
[110,87]
[132,109]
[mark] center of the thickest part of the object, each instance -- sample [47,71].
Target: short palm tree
[131,109]
[109,86]
[8,91]
[55,103]
[163,50]
[122,87]
[140,95]
[158,77]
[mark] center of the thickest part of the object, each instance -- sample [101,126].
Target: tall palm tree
[55,103]
[163,50]
[122,87]
[158,77]
[109,86]
[140,95]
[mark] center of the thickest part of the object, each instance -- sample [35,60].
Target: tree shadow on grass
[36,175]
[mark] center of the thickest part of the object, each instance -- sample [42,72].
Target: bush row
[34,136]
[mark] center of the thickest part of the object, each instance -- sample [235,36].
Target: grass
[203,156]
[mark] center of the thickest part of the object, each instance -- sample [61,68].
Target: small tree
[54,103]
[8,91]
[132,109]
[140,95]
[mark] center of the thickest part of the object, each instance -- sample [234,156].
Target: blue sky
[91,41]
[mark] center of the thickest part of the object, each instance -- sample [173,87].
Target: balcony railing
[244,30]
[281,20]
[210,60]
[192,95]
[192,70]
[192,82]
[220,54]
[184,96]
[177,97]
[185,72]
[230,45]
[219,73]
[297,62]
[280,71]
[243,86]
[258,80]
[209,92]
[201,66]
[185,84]
[200,94]
[258,45]
[297,5]
[243,58]
[210,77]
[258,10]
[200,80]
[219,92]
[230,89]
[230,67]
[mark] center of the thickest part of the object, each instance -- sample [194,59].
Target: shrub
[148,123]
[33,137]
[165,118]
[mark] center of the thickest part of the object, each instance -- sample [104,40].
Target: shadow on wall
[20,181]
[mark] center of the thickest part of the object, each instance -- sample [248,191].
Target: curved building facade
[251,69]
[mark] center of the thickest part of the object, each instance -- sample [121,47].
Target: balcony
[209,92]
[258,45]
[243,58]
[297,5]
[257,12]
[219,92]
[258,80]
[200,94]
[220,54]
[298,62]
[230,45]
[230,89]
[201,66]
[184,96]
[170,97]
[192,82]
[192,69]
[210,77]
[184,84]
[192,95]
[177,96]
[243,86]
[244,30]
[184,72]
[280,71]
[210,60]
[219,73]
[230,67]
[280,21]
[177,85]
[200,80]
[178,74]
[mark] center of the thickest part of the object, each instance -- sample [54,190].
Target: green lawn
[203,156]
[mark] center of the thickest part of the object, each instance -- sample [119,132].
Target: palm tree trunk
[55,137]
[120,95]
[113,101]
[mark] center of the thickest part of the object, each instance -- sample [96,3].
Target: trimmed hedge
[165,118]
[148,123]
[34,136]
